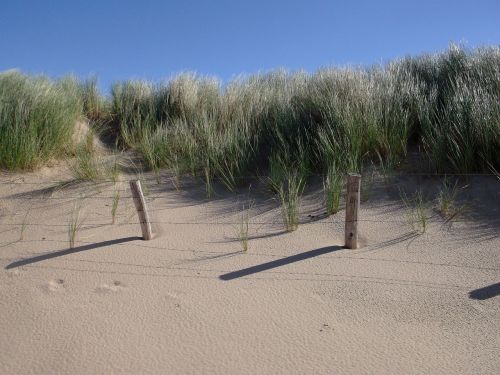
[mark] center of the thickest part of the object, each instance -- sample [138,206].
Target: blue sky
[155,39]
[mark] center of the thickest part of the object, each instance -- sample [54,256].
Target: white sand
[399,305]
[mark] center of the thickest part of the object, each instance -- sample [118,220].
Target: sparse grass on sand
[287,179]
[416,210]
[91,164]
[244,227]
[447,198]
[447,104]
[24,224]
[75,223]
[114,205]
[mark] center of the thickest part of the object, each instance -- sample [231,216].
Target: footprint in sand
[56,285]
[325,327]
[114,287]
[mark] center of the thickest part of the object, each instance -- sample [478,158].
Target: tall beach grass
[37,117]
[446,104]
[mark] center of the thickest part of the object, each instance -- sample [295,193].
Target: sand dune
[191,301]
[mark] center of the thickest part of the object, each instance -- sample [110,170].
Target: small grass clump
[416,211]
[288,170]
[244,226]
[86,166]
[114,205]
[289,194]
[288,187]
[447,196]
[75,223]
[447,201]
[24,225]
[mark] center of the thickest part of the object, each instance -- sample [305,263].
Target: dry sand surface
[190,301]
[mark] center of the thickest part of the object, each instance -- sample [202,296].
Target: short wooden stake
[142,210]
[351,211]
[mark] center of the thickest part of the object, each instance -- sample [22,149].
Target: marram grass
[446,104]
[37,118]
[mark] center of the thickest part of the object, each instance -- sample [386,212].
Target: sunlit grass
[37,118]
[447,104]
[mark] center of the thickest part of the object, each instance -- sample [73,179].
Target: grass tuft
[446,198]
[416,211]
[114,205]
[446,201]
[75,223]
[244,226]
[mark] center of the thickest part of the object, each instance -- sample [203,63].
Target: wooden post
[142,210]
[351,211]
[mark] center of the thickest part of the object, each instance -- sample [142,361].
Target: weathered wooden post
[142,210]
[351,212]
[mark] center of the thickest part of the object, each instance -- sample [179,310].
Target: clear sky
[122,39]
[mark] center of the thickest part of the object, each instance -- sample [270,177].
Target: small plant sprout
[446,201]
[332,187]
[85,166]
[74,224]
[416,211]
[289,195]
[446,197]
[287,179]
[457,212]
[114,171]
[24,224]
[114,206]
[243,229]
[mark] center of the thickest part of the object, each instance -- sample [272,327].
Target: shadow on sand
[77,249]
[486,292]
[278,263]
